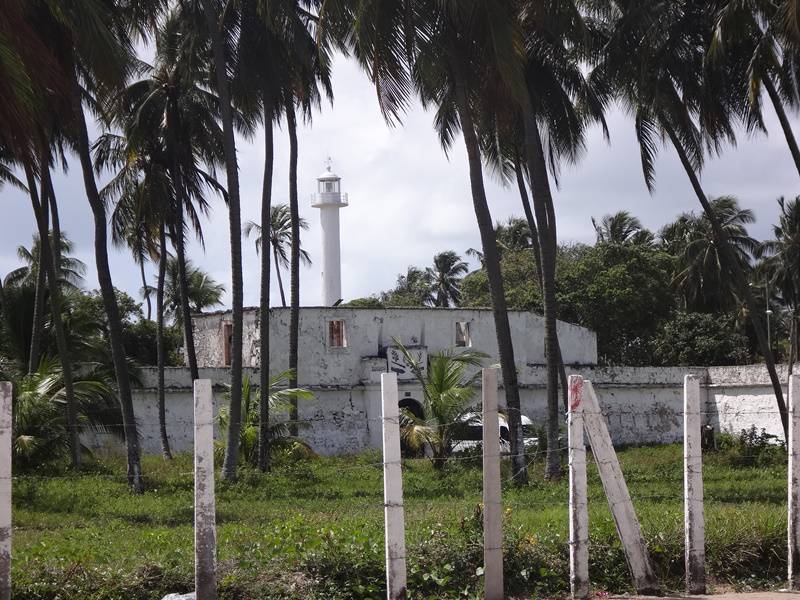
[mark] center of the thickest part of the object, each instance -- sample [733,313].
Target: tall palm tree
[557,105]
[702,278]
[446,274]
[654,58]
[280,240]
[781,263]
[171,105]
[219,29]
[95,54]
[753,36]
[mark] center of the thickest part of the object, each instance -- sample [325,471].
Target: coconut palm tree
[447,52]
[280,241]
[446,274]
[702,278]
[202,291]
[448,390]
[71,270]
[93,55]
[781,264]
[654,57]
[752,35]
[621,228]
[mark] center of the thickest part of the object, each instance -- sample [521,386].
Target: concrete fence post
[205,527]
[492,493]
[694,521]
[578,505]
[5,490]
[794,482]
[394,517]
[619,499]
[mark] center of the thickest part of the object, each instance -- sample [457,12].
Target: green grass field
[314,529]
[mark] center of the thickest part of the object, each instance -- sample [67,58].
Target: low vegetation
[313,528]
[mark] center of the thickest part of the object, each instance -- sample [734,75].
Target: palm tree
[702,278]
[753,38]
[621,228]
[40,433]
[654,57]
[414,288]
[202,292]
[93,54]
[446,274]
[448,390]
[781,264]
[280,240]
[555,108]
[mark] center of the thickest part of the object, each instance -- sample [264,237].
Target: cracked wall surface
[643,405]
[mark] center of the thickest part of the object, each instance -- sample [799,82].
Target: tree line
[520,81]
[654,299]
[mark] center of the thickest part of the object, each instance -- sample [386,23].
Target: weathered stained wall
[369,331]
[642,405]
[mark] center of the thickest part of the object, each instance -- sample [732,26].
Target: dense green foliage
[313,529]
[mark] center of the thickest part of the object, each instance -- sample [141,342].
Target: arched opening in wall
[415,408]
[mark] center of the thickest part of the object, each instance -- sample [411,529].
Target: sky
[409,200]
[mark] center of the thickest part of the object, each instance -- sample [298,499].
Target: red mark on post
[576,393]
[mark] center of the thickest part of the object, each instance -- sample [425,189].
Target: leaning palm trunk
[492,264]
[235,218]
[738,277]
[180,241]
[784,120]
[107,293]
[537,258]
[160,347]
[294,286]
[40,209]
[278,274]
[540,191]
[266,209]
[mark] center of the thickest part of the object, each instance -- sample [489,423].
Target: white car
[474,432]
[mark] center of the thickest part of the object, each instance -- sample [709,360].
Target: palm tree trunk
[540,192]
[38,318]
[738,277]
[294,287]
[278,273]
[107,294]
[160,346]
[792,342]
[492,263]
[235,218]
[180,241]
[537,257]
[146,290]
[783,118]
[183,293]
[46,263]
[266,210]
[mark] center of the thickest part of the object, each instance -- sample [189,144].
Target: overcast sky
[408,200]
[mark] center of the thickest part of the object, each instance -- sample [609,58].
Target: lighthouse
[329,199]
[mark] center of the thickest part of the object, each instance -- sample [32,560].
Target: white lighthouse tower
[329,199]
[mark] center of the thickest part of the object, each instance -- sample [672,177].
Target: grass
[314,529]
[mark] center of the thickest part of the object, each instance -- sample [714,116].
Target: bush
[751,448]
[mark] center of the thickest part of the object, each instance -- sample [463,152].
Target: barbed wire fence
[585,419]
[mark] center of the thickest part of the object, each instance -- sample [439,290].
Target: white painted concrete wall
[369,331]
[642,405]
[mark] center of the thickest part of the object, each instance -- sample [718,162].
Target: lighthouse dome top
[328,175]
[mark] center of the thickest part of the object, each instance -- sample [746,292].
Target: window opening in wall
[463,339]
[336,334]
[227,343]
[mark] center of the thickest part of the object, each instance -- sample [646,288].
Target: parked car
[473,433]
